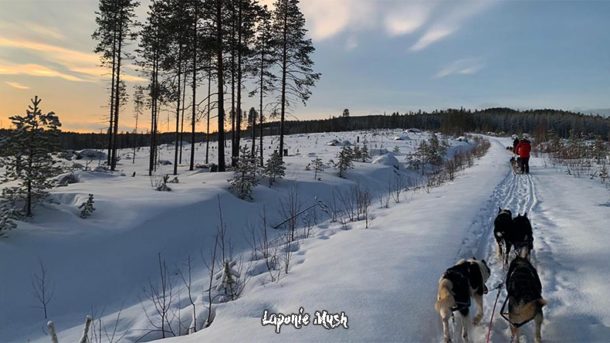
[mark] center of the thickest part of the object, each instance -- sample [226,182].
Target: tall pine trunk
[239,82]
[177,143]
[117,99]
[194,88]
[220,78]
[284,66]
[207,131]
[111,126]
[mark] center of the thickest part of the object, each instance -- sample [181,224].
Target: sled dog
[502,226]
[525,300]
[520,236]
[456,286]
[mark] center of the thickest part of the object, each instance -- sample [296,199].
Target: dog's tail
[542,302]
[444,300]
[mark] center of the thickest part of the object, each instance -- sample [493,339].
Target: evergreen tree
[263,60]
[364,153]
[275,168]
[345,162]
[7,216]
[115,20]
[245,176]
[294,52]
[318,166]
[29,158]
[87,207]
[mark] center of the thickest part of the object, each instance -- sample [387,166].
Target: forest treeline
[537,123]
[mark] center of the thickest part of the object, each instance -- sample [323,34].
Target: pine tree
[318,166]
[30,162]
[364,153]
[294,52]
[7,216]
[87,207]
[264,58]
[275,168]
[345,162]
[245,176]
[115,20]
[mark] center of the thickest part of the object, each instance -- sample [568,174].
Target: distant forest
[537,123]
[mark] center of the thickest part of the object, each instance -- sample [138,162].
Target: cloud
[467,66]
[407,18]
[449,20]
[42,31]
[31,69]
[431,36]
[84,65]
[17,85]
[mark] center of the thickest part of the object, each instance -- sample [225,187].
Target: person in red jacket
[523,150]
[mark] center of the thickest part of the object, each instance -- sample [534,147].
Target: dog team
[466,280]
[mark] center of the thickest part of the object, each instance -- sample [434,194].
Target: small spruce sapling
[87,207]
[245,176]
[275,168]
[318,166]
[346,156]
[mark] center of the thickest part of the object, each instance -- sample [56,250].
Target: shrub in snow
[228,280]
[86,208]
[364,153]
[317,166]
[7,214]
[161,184]
[345,162]
[275,168]
[174,180]
[165,162]
[244,178]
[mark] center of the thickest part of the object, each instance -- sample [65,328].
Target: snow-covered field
[383,278]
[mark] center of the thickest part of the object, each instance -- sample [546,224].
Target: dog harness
[461,286]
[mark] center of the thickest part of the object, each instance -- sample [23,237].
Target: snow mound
[387,160]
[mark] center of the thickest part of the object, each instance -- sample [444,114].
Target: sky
[375,56]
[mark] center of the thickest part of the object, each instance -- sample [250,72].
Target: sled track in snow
[517,193]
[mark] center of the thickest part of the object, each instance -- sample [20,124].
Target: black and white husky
[525,300]
[521,235]
[502,226]
[455,288]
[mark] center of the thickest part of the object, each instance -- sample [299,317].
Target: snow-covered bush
[244,178]
[161,184]
[275,168]
[87,208]
[317,166]
[228,280]
[345,162]
[7,216]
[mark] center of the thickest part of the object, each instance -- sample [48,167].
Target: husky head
[522,221]
[505,210]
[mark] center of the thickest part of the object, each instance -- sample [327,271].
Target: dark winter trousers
[525,164]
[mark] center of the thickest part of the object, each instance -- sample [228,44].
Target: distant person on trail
[523,150]
[515,143]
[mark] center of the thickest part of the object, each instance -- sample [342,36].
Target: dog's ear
[525,214]
[474,258]
[499,210]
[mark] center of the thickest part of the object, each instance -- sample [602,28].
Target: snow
[383,278]
[387,160]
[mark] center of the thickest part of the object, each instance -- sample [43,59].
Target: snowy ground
[383,278]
